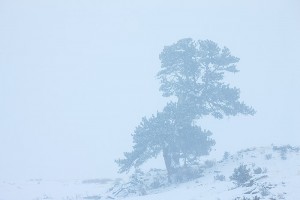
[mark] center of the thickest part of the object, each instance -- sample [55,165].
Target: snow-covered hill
[275,174]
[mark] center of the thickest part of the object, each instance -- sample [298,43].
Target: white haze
[76,77]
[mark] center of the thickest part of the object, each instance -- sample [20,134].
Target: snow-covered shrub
[209,163]
[137,180]
[264,191]
[226,155]
[140,183]
[156,179]
[135,186]
[247,150]
[280,196]
[184,174]
[285,149]
[219,177]
[258,170]
[265,170]
[153,179]
[241,175]
[268,156]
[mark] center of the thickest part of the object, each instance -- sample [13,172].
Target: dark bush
[268,156]
[226,155]
[219,177]
[258,170]
[241,175]
[285,149]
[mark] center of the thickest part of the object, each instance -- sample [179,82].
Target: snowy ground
[60,190]
[280,179]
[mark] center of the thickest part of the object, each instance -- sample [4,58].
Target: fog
[76,77]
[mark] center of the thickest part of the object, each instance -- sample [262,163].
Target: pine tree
[192,74]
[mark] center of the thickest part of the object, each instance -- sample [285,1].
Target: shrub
[268,156]
[285,149]
[209,163]
[137,182]
[241,175]
[265,170]
[226,155]
[264,191]
[219,177]
[184,174]
[258,170]
[140,183]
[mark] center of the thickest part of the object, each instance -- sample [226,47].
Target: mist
[76,78]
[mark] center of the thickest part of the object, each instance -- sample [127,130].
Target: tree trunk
[172,164]
[168,161]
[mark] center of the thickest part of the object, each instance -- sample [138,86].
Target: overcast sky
[77,76]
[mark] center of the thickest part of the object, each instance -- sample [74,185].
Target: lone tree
[192,73]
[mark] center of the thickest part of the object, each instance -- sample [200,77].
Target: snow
[280,179]
[44,189]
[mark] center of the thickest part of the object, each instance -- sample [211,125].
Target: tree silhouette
[192,75]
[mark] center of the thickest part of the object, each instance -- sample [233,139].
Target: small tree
[192,74]
[241,175]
